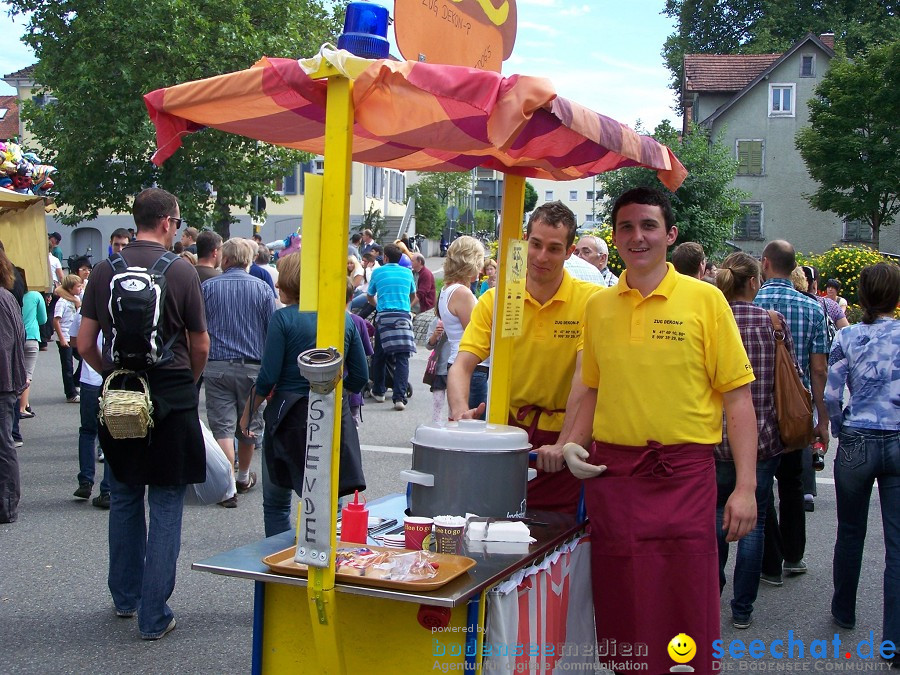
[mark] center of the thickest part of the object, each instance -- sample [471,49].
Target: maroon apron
[548,491]
[654,561]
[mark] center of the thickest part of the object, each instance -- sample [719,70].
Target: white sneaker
[399,405]
[378,397]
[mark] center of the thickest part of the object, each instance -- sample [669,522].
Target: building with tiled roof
[756,104]
[9,117]
[26,73]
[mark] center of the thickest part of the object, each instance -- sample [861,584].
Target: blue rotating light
[365,31]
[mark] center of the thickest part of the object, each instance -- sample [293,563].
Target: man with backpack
[166,343]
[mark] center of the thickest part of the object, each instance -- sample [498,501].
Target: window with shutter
[857,230]
[750,158]
[290,181]
[749,224]
[808,65]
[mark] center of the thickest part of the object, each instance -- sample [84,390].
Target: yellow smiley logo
[682,648]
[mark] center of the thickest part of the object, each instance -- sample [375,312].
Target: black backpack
[137,297]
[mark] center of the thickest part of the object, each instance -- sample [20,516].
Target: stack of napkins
[499,530]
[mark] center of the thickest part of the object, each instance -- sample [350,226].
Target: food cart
[425,117]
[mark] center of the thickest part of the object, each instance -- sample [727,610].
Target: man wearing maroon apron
[545,378]
[662,355]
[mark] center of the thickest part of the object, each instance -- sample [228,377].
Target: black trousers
[785,536]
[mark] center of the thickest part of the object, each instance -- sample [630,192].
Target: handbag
[432,365]
[793,403]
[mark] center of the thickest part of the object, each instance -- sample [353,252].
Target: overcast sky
[604,54]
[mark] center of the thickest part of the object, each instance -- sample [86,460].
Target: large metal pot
[468,467]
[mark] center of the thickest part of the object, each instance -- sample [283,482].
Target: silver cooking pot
[469,467]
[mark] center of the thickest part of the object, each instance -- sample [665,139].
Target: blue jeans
[16,434]
[87,437]
[478,390]
[400,360]
[276,504]
[748,563]
[864,456]
[142,560]
[65,365]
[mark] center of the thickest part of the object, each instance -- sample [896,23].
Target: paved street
[56,615]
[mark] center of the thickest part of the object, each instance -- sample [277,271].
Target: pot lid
[471,435]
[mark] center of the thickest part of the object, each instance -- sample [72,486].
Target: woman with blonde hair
[355,272]
[463,264]
[739,280]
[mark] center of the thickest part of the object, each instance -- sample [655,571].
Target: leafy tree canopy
[97,58]
[852,145]
[446,187]
[706,205]
[531,197]
[772,26]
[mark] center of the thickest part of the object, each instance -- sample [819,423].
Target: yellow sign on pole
[514,300]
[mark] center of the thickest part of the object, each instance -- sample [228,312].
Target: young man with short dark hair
[662,356]
[546,381]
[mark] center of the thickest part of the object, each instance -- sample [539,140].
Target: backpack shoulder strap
[117,262]
[162,264]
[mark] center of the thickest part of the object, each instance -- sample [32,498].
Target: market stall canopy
[24,235]
[412,116]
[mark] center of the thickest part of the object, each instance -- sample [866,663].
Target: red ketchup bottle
[355,521]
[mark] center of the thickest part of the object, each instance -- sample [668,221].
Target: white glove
[575,455]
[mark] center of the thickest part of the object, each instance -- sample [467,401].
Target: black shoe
[230,503]
[26,414]
[83,491]
[101,501]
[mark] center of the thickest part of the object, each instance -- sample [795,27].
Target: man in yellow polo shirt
[662,355]
[546,373]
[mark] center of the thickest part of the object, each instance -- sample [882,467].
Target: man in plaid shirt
[786,534]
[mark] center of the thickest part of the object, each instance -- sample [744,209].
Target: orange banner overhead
[474,33]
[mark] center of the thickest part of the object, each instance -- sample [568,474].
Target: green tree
[447,187]
[373,221]
[768,26]
[430,215]
[706,205]
[531,197]
[852,145]
[97,58]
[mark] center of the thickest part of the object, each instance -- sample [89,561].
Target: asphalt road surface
[56,615]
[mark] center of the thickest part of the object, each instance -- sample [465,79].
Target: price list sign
[514,300]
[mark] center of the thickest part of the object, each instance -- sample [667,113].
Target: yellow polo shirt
[660,364]
[544,355]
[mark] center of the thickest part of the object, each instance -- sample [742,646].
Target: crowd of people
[650,393]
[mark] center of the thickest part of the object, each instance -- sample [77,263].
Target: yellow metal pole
[332,289]
[501,349]
[312,235]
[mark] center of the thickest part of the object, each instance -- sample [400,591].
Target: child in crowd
[438,341]
[490,274]
[363,326]
[91,383]
[63,315]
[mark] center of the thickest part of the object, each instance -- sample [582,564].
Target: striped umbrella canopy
[412,116]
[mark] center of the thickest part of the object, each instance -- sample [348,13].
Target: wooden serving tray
[448,568]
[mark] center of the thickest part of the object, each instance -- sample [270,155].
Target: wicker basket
[127,414]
